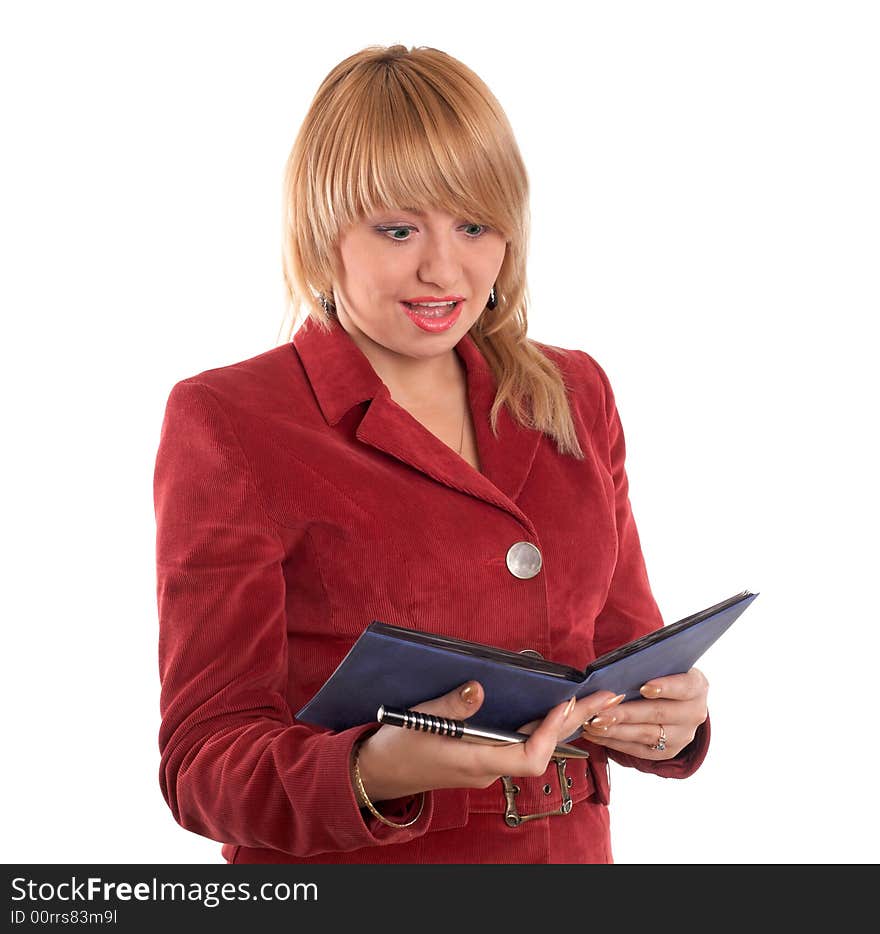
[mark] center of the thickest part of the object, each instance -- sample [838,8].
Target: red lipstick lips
[432,313]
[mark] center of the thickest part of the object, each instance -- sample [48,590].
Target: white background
[705,207]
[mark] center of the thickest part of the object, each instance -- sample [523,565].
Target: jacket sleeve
[235,766]
[630,610]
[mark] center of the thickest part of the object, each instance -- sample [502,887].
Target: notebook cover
[381,668]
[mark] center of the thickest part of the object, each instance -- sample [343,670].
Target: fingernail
[650,690]
[568,708]
[467,693]
[614,700]
[601,723]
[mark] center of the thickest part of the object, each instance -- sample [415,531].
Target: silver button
[523,560]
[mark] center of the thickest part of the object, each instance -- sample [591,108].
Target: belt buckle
[513,818]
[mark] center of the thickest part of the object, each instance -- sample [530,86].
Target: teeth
[437,309]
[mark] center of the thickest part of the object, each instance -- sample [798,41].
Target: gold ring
[660,745]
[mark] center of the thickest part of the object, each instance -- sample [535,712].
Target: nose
[440,263]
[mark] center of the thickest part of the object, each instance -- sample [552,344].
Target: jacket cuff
[398,810]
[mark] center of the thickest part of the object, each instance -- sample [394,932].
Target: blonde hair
[415,128]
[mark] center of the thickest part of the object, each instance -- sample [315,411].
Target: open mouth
[433,309]
[433,316]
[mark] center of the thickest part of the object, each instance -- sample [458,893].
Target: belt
[523,799]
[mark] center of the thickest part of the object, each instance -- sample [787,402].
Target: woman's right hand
[395,762]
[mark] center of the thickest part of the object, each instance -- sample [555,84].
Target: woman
[410,456]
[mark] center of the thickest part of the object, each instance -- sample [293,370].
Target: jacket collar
[341,377]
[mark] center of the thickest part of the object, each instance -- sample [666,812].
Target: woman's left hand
[659,726]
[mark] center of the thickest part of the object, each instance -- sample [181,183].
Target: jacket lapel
[341,377]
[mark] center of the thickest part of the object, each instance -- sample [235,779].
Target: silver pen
[458,729]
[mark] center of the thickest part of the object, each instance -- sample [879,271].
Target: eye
[392,233]
[482,229]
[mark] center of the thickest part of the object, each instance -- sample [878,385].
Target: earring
[329,307]
[493,301]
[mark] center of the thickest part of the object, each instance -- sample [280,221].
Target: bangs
[400,140]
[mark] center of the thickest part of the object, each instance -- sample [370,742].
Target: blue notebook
[401,667]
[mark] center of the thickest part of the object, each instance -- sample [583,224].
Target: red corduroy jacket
[295,503]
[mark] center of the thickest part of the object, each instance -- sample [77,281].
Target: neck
[424,382]
[416,381]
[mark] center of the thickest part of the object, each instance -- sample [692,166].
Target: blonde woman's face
[398,257]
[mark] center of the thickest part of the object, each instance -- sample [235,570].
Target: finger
[685,686]
[584,709]
[532,756]
[599,704]
[644,735]
[651,711]
[649,714]
[543,740]
[639,750]
[458,704]
[601,708]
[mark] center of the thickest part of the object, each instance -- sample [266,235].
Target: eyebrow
[405,210]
